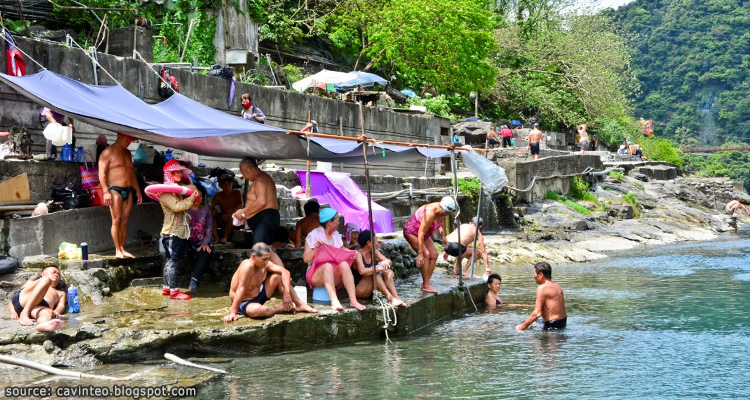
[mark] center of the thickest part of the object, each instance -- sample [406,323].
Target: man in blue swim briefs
[550,302]
[256,280]
[261,211]
[117,176]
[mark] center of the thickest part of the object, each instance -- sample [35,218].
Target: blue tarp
[513,122]
[364,79]
[186,124]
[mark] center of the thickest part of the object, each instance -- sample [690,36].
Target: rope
[426,161]
[94,60]
[585,172]
[466,288]
[152,69]
[24,53]
[425,192]
[387,309]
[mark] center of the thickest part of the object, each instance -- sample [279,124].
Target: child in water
[493,286]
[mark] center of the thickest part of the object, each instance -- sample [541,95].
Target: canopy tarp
[324,76]
[364,79]
[339,191]
[185,124]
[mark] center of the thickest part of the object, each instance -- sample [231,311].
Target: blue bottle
[73,306]
[67,152]
[168,154]
[79,154]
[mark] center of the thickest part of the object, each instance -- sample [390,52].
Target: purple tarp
[343,195]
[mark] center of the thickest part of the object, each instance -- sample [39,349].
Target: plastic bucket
[301,293]
[320,296]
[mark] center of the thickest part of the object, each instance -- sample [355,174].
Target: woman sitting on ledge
[330,265]
[380,269]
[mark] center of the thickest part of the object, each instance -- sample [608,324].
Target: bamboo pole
[178,360]
[55,371]
[187,39]
[373,238]
[308,185]
[458,210]
[357,139]
[476,228]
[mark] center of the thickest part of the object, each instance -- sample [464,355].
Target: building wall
[553,173]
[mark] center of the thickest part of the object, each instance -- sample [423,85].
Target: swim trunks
[123,192]
[261,299]
[264,225]
[493,142]
[584,145]
[555,324]
[534,147]
[731,211]
[16,300]
[452,249]
[498,301]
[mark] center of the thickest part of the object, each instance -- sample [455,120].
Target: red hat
[172,166]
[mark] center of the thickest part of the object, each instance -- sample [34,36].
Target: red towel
[329,254]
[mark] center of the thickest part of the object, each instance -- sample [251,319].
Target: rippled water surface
[666,322]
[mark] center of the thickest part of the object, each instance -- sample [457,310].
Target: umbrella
[364,79]
[323,77]
[515,123]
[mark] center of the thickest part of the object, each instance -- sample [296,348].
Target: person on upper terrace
[308,223]
[492,141]
[261,211]
[228,201]
[583,138]
[48,116]
[380,269]
[418,232]
[251,112]
[330,265]
[535,139]
[507,135]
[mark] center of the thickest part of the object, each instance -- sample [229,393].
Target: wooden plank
[15,189]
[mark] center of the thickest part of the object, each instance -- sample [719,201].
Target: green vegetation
[468,187]
[632,199]
[616,175]
[733,164]
[579,190]
[551,195]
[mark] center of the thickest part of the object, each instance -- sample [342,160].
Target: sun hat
[172,166]
[448,204]
[326,215]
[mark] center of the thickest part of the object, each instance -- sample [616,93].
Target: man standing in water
[118,179]
[261,209]
[535,137]
[550,302]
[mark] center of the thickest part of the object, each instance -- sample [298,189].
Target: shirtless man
[255,281]
[550,302]
[39,299]
[734,205]
[467,239]
[306,224]
[584,138]
[261,210]
[229,201]
[535,137]
[492,141]
[117,175]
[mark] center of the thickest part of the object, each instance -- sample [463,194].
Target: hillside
[691,58]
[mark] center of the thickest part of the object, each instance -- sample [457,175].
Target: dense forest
[691,58]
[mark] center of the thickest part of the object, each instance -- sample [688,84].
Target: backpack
[221,71]
[167,89]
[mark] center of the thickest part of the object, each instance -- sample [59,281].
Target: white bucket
[301,293]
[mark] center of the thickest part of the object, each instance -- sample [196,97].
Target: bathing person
[493,288]
[492,141]
[550,302]
[261,210]
[200,243]
[418,232]
[330,267]
[381,270]
[535,138]
[255,281]
[175,230]
[507,135]
[117,176]
[351,236]
[308,223]
[732,207]
[584,138]
[39,299]
[467,239]
[249,111]
[228,200]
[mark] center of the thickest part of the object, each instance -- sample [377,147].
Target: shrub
[579,190]
[616,175]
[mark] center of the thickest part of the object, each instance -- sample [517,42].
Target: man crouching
[39,299]
[252,286]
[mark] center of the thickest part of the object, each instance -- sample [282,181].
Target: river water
[661,322]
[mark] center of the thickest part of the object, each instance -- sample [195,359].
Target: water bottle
[67,152]
[379,266]
[84,251]
[73,306]
[168,154]
[79,154]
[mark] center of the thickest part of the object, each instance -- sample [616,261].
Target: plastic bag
[491,175]
[69,251]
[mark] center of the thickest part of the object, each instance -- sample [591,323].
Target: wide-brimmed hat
[326,215]
[174,165]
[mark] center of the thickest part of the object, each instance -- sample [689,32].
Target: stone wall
[552,173]
[284,109]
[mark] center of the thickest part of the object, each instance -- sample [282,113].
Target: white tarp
[324,76]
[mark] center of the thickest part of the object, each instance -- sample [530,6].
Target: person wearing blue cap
[330,265]
[418,232]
